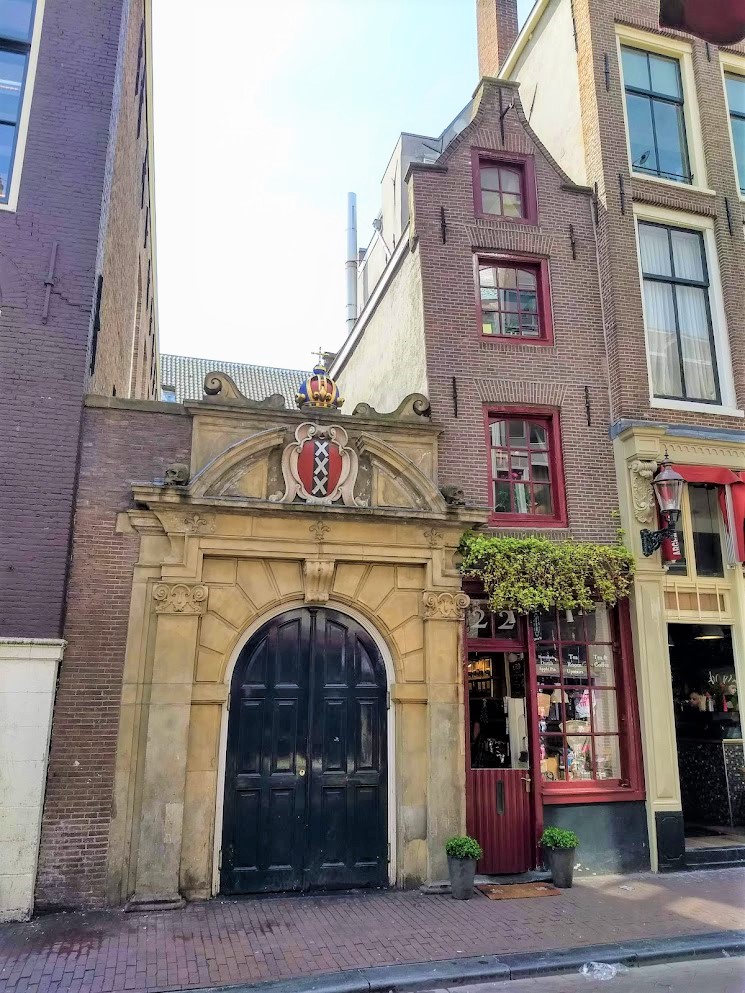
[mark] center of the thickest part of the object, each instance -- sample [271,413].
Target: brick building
[480,289]
[77,315]
[652,120]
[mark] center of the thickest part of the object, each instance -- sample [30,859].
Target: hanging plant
[526,574]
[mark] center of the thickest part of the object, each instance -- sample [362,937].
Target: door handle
[528,781]
[301,772]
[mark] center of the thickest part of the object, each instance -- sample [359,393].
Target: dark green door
[305,786]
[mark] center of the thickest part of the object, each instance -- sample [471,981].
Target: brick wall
[118,445]
[507,372]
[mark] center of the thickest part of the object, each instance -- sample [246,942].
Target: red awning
[722,22]
[719,476]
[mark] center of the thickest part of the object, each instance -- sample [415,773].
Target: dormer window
[504,186]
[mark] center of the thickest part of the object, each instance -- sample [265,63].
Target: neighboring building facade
[77,314]
[654,121]
[182,378]
[490,304]
[264,636]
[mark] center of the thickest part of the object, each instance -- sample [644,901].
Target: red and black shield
[319,466]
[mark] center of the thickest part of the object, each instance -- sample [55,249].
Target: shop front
[687,611]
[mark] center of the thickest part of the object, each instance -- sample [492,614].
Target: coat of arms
[319,467]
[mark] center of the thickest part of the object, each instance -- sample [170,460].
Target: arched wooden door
[305,785]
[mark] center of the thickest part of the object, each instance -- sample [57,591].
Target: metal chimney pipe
[351,263]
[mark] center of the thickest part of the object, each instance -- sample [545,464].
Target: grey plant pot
[462,874]
[561,864]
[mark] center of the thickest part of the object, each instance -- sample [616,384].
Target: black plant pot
[561,864]
[462,874]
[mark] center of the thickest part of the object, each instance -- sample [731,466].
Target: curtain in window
[663,341]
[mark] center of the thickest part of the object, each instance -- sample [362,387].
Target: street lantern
[668,490]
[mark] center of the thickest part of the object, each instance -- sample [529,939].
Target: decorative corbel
[445,606]
[180,598]
[319,577]
[642,494]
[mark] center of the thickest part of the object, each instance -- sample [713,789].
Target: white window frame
[734,65]
[682,52]
[28,92]
[694,222]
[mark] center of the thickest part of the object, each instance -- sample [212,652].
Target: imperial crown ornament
[319,390]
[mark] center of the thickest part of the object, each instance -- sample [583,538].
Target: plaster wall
[549,88]
[28,676]
[389,360]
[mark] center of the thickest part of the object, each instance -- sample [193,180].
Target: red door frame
[526,643]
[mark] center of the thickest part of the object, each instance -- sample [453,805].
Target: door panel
[305,789]
[501,812]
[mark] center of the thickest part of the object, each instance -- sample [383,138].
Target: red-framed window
[526,479]
[504,186]
[513,298]
[584,701]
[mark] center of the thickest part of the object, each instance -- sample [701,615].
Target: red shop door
[499,781]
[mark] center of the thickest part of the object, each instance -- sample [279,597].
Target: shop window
[677,311]
[525,469]
[655,114]
[701,532]
[579,682]
[504,186]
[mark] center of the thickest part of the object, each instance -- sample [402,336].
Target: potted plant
[560,846]
[463,853]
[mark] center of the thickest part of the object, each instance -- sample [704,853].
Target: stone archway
[305,790]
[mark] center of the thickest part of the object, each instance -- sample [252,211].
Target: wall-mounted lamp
[668,489]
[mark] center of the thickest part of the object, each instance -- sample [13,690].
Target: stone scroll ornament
[319,467]
[445,606]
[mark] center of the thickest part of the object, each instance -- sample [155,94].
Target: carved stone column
[178,607]
[446,815]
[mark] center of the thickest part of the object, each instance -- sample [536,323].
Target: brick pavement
[249,940]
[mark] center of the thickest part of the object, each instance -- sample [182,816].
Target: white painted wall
[28,677]
[549,88]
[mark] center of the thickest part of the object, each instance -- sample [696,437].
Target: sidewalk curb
[492,968]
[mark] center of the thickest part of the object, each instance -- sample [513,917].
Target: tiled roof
[186,375]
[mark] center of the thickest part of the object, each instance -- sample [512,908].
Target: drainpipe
[351,263]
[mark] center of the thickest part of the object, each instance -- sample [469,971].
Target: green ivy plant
[554,837]
[527,574]
[463,847]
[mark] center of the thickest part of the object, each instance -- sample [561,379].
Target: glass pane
[542,499]
[491,203]
[529,326]
[736,93]
[695,343]
[529,301]
[672,154]
[547,663]
[502,497]
[602,668]
[665,75]
[738,137]
[490,323]
[635,68]
[579,757]
[655,250]
[477,619]
[571,625]
[604,710]
[508,300]
[521,493]
[597,623]
[489,178]
[577,708]
[519,465]
[662,340]
[687,255]
[15,19]
[510,180]
[506,277]
[539,468]
[488,708]
[526,279]
[512,205]
[518,433]
[707,545]
[511,324]
[498,431]
[7,137]
[641,134]
[552,758]
[537,436]
[607,758]
[12,68]
[574,664]
[487,275]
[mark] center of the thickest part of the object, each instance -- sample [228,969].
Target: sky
[266,113]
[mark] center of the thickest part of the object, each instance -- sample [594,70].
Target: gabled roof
[185,375]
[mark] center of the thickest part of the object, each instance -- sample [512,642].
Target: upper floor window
[504,186]
[514,299]
[16,25]
[525,469]
[655,115]
[736,102]
[677,308]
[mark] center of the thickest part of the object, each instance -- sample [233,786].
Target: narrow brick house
[480,289]
[654,121]
[77,315]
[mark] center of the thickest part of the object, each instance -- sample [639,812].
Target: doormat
[517,891]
